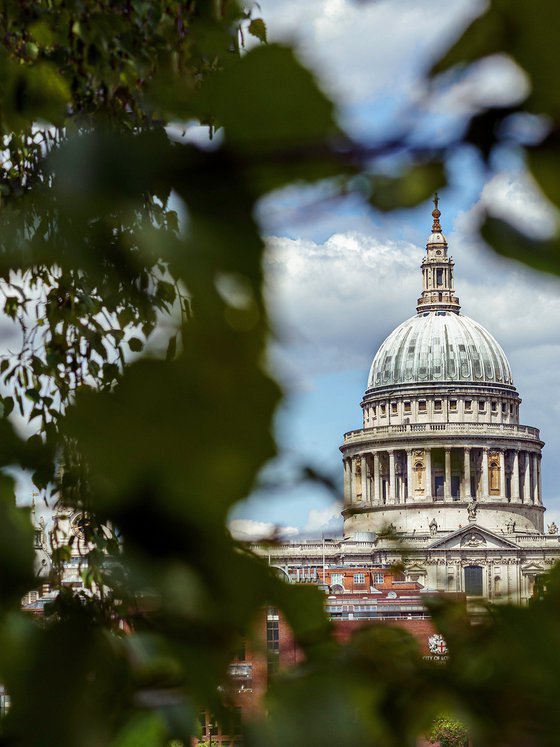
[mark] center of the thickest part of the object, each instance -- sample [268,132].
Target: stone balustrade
[508,430]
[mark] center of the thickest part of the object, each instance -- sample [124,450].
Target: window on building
[272,645]
[407,407]
[378,578]
[374,410]
[272,613]
[473,580]
[422,406]
[468,405]
[437,405]
[359,578]
[453,405]
[383,410]
[394,408]
[439,277]
[511,409]
[481,405]
[504,408]
[337,578]
[494,407]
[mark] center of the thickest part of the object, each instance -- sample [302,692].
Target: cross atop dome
[436,226]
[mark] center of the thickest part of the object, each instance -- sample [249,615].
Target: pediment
[472,537]
[415,569]
[533,568]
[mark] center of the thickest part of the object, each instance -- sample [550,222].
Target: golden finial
[436,226]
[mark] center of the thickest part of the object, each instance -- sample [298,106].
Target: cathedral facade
[442,477]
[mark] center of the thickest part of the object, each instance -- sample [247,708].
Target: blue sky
[341,277]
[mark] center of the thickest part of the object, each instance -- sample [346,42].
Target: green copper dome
[439,346]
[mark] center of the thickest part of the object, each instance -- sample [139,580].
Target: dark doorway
[473,580]
[455,483]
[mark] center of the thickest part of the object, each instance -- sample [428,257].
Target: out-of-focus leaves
[542,254]
[297,116]
[147,730]
[17,557]
[281,137]
[491,662]
[530,38]
[72,652]
[484,129]
[29,92]
[171,423]
[357,691]
[544,161]
[415,186]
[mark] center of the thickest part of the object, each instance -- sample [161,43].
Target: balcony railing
[508,430]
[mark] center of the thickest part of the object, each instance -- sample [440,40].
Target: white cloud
[248,530]
[325,520]
[333,302]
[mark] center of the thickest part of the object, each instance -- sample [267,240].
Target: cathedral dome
[439,346]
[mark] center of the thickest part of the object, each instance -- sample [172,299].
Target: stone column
[539,484]
[391,497]
[364,478]
[535,478]
[467,473]
[502,475]
[376,486]
[353,485]
[533,494]
[447,481]
[408,474]
[526,478]
[347,480]
[428,487]
[484,490]
[515,497]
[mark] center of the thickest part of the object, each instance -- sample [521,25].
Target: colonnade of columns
[443,474]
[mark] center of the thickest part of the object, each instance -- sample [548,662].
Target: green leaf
[171,348]
[257,28]
[135,344]
[543,254]
[33,394]
[297,116]
[544,161]
[415,186]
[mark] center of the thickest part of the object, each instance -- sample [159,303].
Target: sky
[341,277]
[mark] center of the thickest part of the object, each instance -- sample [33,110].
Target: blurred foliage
[448,732]
[131,276]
